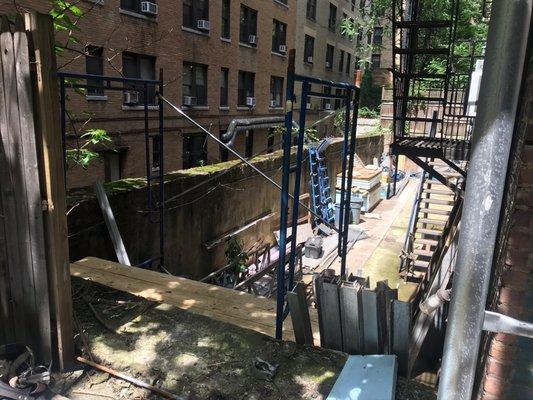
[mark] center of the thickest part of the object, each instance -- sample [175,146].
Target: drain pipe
[487,171]
[243,124]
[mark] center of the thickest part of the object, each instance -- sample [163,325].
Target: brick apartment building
[215,56]
[323,51]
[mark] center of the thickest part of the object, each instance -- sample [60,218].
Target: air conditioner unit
[273,103]
[328,106]
[250,101]
[189,101]
[148,7]
[131,97]
[310,60]
[283,48]
[252,39]
[328,64]
[308,106]
[203,25]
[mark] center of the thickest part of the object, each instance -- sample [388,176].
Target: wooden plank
[301,322]
[350,297]
[109,217]
[370,322]
[37,274]
[226,305]
[53,182]
[401,333]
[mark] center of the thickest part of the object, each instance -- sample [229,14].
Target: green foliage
[310,134]
[365,112]
[235,255]
[370,96]
[83,155]
[65,17]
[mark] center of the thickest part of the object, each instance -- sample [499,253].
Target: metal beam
[492,139]
[500,323]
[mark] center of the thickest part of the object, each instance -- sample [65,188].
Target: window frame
[341,60]
[247,24]
[225,27]
[201,101]
[91,60]
[310,12]
[276,90]
[278,28]
[138,59]
[330,56]
[309,48]
[332,20]
[224,90]
[245,78]
[199,10]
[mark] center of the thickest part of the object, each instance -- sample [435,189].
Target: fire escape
[436,82]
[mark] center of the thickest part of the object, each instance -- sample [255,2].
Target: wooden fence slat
[48,128]
[401,331]
[370,322]
[301,321]
[31,184]
[351,317]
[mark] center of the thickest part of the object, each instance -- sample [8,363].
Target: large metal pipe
[487,171]
[243,124]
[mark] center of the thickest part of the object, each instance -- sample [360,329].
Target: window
[248,25]
[141,67]
[246,87]
[194,82]
[332,22]
[226,19]
[311,10]
[135,6]
[276,90]
[326,102]
[279,35]
[156,151]
[378,36]
[224,153]
[344,18]
[270,140]
[329,56]
[194,150]
[338,102]
[94,65]
[193,11]
[348,63]
[341,61]
[249,145]
[224,78]
[309,49]
[112,166]
[376,61]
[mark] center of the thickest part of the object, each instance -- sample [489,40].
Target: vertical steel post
[147,150]
[284,207]
[161,174]
[344,211]
[487,171]
[297,182]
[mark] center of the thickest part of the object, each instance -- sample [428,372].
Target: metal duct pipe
[487,171]
[243,124]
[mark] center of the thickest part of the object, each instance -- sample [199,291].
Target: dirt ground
[192,356]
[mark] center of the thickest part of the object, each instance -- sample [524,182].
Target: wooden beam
[48,129]
[301,322]
[118,244]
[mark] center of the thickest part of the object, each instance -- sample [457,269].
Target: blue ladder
[322,202]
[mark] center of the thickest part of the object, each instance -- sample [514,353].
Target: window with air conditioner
[226,19]
[139,66]
[147,8]
[309,49]
[224,87]
[311,10]
[246,88]
[326,103]
[329,56]
[196,14]
[194,84]
[94,65]
[279,37]
[248,26]
[276,91]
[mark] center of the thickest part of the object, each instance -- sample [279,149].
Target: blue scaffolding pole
[351,97]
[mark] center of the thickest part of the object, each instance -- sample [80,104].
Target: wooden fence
[35,298]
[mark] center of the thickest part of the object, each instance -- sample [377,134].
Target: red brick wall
[508,372]
[104,25]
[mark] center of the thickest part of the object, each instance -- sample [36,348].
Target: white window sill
[275,108]
[244,108]
[227,40]
[139,108]
[93,97]
[249,46]
[281,4]
[199,108]
[195,31]
[308,64]
[97,2]
[282,55]
[224,108]
[137,15]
